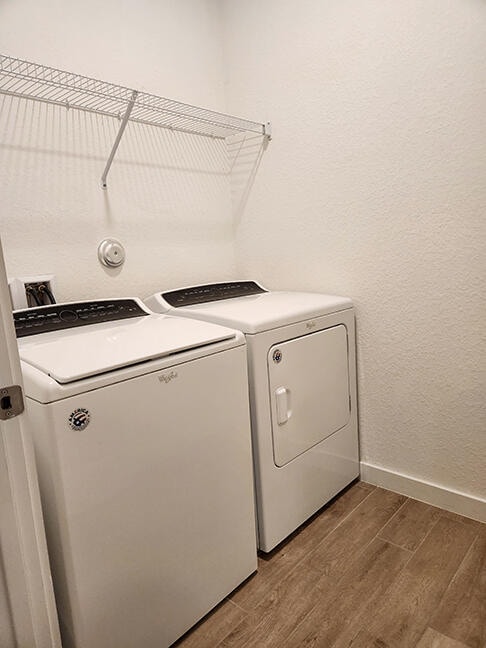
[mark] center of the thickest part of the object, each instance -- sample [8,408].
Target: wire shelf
[33,81]
[27,80]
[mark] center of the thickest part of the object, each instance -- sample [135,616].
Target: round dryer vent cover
[111,253]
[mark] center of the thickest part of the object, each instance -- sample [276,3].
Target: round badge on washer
[79,419]
[277,355]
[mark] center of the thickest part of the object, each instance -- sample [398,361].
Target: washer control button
[68,316]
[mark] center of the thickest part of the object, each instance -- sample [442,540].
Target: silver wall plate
[111,253]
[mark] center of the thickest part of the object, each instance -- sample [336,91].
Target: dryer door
[309,391]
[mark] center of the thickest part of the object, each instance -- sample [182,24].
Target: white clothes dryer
[302,384]
[141,431]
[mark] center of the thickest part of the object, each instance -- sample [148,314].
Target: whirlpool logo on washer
[168,377]
[79,419]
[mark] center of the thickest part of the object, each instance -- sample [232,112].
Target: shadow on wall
[68,149]
[172,199]
[53,152]
[245,153]
[51,165]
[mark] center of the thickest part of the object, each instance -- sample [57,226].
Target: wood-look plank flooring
[372,569]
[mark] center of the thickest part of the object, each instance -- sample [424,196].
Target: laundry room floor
[372,569]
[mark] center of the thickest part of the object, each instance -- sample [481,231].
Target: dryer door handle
[282,401]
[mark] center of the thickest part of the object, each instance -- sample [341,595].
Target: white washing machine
[142,437]
[302,381]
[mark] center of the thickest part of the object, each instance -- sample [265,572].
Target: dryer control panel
[211,292]
[44,319]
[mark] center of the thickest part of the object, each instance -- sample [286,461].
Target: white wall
[168,199]
[374,187]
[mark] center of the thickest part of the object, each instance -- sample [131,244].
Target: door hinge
[11,402]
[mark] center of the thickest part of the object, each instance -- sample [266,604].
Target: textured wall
[374,187]
[168,199]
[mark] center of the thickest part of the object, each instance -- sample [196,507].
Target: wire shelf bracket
[27,80]
[121,130]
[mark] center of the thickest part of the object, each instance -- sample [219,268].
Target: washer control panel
[44,319]
[211,292]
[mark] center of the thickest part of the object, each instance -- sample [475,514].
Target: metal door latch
[11,402]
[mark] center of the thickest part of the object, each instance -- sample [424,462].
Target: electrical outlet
[28,292]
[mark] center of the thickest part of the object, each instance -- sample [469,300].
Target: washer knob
[68,316]
[111,253]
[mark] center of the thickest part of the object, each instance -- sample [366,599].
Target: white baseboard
[448,499]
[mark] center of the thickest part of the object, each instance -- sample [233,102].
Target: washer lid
[74,354]
[259,312]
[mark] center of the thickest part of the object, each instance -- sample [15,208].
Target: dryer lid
[70,355]
[258,312]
